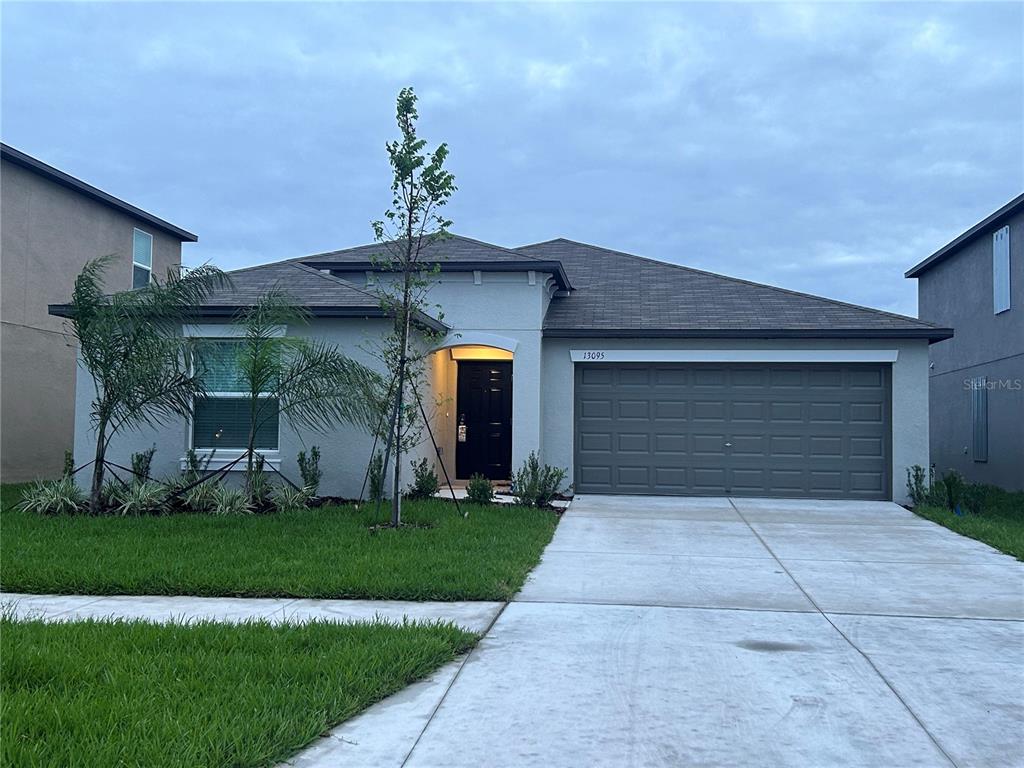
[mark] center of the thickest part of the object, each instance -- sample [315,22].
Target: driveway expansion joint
[842,634]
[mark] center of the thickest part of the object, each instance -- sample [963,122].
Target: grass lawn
[134,693]
[1000,524]
[327,553]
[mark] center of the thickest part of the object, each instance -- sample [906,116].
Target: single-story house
[636,375]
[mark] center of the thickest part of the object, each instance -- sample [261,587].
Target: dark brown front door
[484,420]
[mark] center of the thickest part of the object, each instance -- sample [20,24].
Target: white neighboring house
[638,376]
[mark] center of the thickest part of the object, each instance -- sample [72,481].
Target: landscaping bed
[135,693]
[326,552]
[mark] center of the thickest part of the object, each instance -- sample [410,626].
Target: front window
[142,258]
[222,419]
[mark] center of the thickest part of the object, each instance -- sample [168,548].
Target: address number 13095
[593,355]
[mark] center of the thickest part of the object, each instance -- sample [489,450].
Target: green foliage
[321,552]
[425,482]
[69,464]
[231,501]
[288,499]
[258,484]
[309,470]
[923,488]
[177,695]
[996,517]
[201,498]
[535,485]
[141,464]
[420,187]
[376,476]
[131,347]
[140,498]
[53,497]
[195,466]
[306,382]
[953,485]
[479,490]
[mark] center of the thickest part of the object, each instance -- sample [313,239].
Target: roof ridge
[451,236]
[333,278]
[738,280]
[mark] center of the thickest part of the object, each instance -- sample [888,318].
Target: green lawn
[134,693]
[328,553]
[1000,524]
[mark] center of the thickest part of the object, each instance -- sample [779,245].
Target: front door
[484,420]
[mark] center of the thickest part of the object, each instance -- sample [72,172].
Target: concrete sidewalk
[474,616]
[743,632]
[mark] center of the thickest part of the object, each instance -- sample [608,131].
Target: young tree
[306,382]
[420,188]
[130,344]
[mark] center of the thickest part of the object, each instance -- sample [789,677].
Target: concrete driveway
[717,632]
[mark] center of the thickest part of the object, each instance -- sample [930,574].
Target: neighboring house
[975,284]
[636,375]
[51,224]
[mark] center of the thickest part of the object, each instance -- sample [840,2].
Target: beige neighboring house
[51,224]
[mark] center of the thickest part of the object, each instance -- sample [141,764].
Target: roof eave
[531,265]
[952,247]
[931,334]
[67,180]
[230,310]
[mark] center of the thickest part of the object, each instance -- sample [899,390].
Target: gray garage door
[819,431]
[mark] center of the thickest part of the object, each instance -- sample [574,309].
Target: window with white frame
[221,419]
[142,258]
[1001,270]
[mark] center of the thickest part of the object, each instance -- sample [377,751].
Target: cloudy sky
[825,148]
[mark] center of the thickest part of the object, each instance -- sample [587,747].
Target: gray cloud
[821,147]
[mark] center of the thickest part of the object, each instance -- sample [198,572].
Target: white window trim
[138,264]
[599,354]
[225,456]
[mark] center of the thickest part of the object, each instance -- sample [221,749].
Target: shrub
[140,498]
[196,466]
[479,490]
[53,497]
[535,485]
[953,483]
[202,497]
[288,499]
[974,497]
[141,463]
[69,464]
[309,469]
[376,476]
[259,485]
[424,480]
[231,501]
[919,482]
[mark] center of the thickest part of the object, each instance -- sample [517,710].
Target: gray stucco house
[637,375]
[975,284]
[51,224]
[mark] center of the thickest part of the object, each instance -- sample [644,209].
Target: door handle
[728,445]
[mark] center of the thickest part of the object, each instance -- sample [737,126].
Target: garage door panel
[786,430]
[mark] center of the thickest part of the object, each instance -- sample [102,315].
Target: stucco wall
[344,452]
[47,233]
[957,293]
[909,392]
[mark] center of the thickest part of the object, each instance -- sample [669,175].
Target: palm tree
[307,382]
[131,345]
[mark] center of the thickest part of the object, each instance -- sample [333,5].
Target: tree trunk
[98,467]
[396,495]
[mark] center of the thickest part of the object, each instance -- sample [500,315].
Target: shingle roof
[454,248]
[622,294]
[305,285]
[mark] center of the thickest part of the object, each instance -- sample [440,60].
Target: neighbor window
[1001,270]
[979,418]
[142,258]
[221,419]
